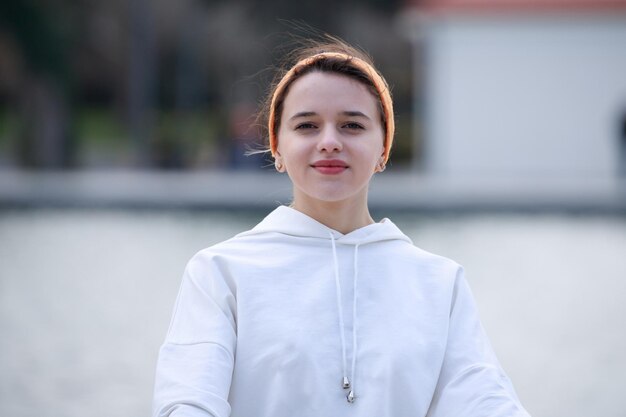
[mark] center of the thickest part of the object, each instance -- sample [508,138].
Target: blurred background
[123,132]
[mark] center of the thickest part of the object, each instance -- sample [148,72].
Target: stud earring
[380,167]
[279,166]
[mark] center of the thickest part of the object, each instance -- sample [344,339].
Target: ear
[380,165]
[278,162]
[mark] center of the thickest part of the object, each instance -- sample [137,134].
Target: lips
[330,166]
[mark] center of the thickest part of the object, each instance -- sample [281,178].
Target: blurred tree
[171,75]
[43,96]
[142,77]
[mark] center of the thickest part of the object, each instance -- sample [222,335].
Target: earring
[381,164]
[279,166]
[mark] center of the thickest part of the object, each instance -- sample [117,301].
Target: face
[330,140]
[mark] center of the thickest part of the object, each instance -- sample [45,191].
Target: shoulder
[411,268]
[239,250]
[410,254]
[399,247]
[220,250]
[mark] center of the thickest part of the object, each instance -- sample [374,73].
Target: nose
[329,141]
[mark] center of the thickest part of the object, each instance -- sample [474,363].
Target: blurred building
[521,88]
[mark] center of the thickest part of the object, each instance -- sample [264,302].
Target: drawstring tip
[350,397]
[346,382]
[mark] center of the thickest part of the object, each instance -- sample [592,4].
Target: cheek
[378,150]
[287,150]
[280,144]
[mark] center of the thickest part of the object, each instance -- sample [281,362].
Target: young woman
[319,310]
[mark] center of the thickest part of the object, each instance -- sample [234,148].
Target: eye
[353,126]
[305,126]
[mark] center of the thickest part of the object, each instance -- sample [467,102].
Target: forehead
[329,91]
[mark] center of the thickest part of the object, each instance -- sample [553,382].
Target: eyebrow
[303,114]
[350,113]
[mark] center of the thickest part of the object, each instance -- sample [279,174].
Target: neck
[343,216]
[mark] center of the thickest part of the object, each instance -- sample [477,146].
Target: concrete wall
[525,95]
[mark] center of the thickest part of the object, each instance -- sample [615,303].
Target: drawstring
[347,383]
[354,327]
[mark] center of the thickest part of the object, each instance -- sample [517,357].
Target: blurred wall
[523,93]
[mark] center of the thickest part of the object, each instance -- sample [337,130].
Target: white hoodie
[272,322]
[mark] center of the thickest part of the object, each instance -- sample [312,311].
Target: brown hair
[333,56]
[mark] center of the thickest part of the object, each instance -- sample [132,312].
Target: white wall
[525,96]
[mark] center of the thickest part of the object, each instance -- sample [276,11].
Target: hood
[288,221]
[292,222]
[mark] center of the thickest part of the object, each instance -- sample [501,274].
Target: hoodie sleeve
[471,382]
[195,364]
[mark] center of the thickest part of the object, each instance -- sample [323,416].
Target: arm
[195,364]
[471,382]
